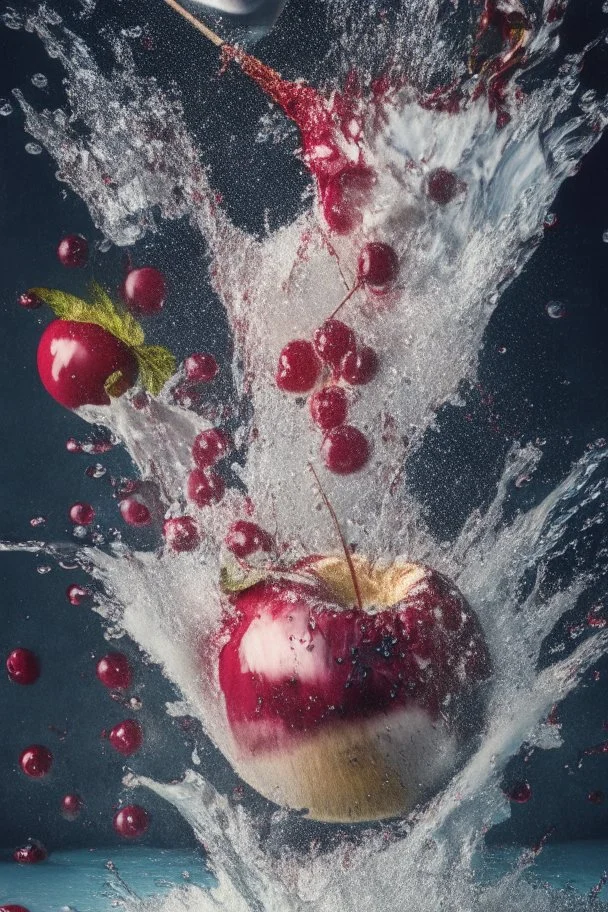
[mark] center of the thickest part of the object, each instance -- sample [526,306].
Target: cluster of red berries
[335,351]
[36,761]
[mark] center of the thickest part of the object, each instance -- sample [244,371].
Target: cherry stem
[344,300]
[200,26]
[345,548]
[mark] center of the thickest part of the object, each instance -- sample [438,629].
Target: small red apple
[352,713]
[76,359]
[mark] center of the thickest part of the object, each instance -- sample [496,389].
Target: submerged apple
[352,712]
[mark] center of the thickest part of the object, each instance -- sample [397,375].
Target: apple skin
[75,360]
[347,713]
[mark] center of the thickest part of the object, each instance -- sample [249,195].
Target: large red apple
[352,713]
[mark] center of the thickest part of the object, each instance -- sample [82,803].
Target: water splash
[126,150]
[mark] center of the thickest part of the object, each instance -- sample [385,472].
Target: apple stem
[345,548]
[344,300]
[200,26]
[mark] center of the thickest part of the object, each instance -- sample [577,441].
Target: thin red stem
[344,300]
[345,548]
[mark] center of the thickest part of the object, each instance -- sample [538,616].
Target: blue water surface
[82,880]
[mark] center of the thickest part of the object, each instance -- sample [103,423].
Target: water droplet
[605,236]
[12,19]
[39,80]
[134,32]
[555,309]
[551,220]
[96,471]
[33,148]
[43,569]
[6,107]
[502,349]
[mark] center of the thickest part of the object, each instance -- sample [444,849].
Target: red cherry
[345,449]
[520,793]
[81,514]
[360,366]
[23,666]
[209,446]
[181,533]
[131,821]
[73,251]
[76,594]
[333,340]
[13,908]
[200,367]
[71,806]
[144,290]
[328,407]
[205,487]
[245,538]
[127,737]
[30,301]
[32,853]
[114,671]
[298,367]
[378,265]
[134,512]
[345,196]
[442,186]
[76,359]
[36,761]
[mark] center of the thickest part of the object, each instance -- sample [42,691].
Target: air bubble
[39,80]
[33,148]
[604,235]
[551,220]
[96,471]
[44,568]
[6,108]
[555,309]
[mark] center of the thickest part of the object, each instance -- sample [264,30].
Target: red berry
[345,196]
[205,487]
[209,446]
[144,290]
[345,449]
[36,761]
[181,533]
[77,594]
[328,407]
[442,186]
[333,340]
[127,737]
[82,514]
[13,908]
[71,806]
[76,359]
[114,671]
[245,538]
[359,367]
[73,251]
[378,265]
[298,367]
[520,792]
[30,300]
[131,821]
[201,368]
[134,512]
[23,666]
[32,853]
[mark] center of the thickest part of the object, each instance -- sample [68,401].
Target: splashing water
[509,133]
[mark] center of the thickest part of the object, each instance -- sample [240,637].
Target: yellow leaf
[156,366]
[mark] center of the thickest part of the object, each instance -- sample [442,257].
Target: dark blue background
[551,383]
